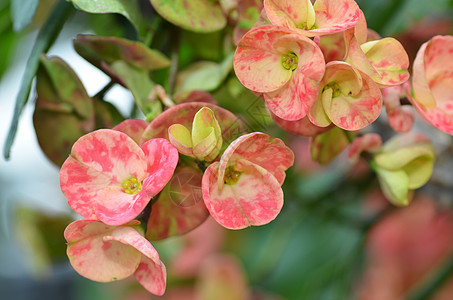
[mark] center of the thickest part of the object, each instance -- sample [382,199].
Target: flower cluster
[319,62]
[110,180]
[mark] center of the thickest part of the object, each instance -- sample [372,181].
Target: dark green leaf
[64,111]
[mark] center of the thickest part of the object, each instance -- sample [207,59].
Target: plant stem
[174,60]
[105,89]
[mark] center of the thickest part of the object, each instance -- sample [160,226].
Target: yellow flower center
[289,61]
[132,186]
[231,175]
[336,91]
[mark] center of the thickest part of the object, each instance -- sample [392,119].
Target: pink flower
[110,178]
[107,253]
[282,65]
[244,188]
[350,99]
[432,82]
[322,18]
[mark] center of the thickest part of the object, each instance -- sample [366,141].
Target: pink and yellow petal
[317,114]
[354,112]
[152,276]
[133,128]
[112,153]
[293,101]
[100,162]
[401,118]
[257,64]
[335,16]
[389,59]
[184,113]
[257,147]
[151,271]
[162,158]
[181,138]
[97,259]
[302,127]
[292,14]
[370,142]
[255,199]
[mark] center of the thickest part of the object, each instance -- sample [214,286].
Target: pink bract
[133,128]
[284,66]
[102,161]
[350,99]
[107,253]
[370,142]
[302,127]
[322,18]
[244,188]
[384,60]
[401,117]
[432,82]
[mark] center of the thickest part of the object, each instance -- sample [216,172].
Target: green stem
[428,290]
[105,89]
[45,39]
[174,61]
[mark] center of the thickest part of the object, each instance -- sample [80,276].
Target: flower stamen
[131,186]
[290,61]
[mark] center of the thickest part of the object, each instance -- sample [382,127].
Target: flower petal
[294,100]
[394,185]
[257,64]
[257,148]
[401,118]
[100,161]
[117,208]
[181,138]
[151,272]
[133,128]
[255,199]
[335,16]
[184,113]
[432,81]
[96,259]
[302,127]
[352,111]
[370,142]
[162,158]
[287,13]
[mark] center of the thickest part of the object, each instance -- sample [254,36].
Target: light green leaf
[193,15]
[204,75]
[128,8]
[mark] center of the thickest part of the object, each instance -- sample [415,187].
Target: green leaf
[128,8]
[64,111]
[99,50]
[204,75]
[193,15]
[328,145]
[45,39]
[139,83]
[23,12]
[106,114]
